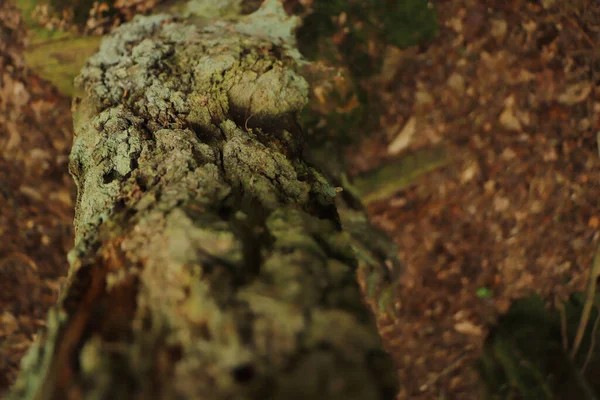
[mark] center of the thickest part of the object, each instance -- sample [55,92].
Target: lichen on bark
[209,258]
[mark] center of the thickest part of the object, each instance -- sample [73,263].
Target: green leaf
[484,292]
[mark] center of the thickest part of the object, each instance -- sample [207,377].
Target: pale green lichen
[271,21]
[115,141]
[213,9]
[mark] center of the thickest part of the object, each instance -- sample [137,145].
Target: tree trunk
[210,260]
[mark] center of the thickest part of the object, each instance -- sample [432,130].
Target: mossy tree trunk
[210,260]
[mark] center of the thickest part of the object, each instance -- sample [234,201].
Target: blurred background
[466,127]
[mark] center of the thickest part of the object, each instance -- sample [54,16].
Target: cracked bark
[210,260]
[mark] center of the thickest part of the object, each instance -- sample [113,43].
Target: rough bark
[210,260]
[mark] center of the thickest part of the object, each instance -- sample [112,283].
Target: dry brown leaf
[468,328]
[498,30]
[548,3]
[404,138]
[423,100]
[470,172]
[9,323]
[457,83]
[509,120]
[575,93]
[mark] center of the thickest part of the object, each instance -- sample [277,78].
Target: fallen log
[210,261]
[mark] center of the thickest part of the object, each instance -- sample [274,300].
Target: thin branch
[454,365]
[592,343]
[563,324]
[589,301]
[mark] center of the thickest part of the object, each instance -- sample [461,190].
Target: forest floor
[508,87]
[36,196]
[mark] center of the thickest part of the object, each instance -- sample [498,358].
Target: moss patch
[59,61]
[37,33]
[524,356]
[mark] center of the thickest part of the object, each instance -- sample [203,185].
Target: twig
[579,382]
[592,343]
[576,25]
[563,324]
[589,300]
[591,111]
[246,123]
[455,364]
[23,257]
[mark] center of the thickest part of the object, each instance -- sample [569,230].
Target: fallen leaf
[536,207]
[484,292]
[519,76]
[508,154]
[9,323]
[468,328]
[509,120]
[403,139]
[575,93]
[457,83]
[501,203]
[423,100]
[498,30]
[392,60]
[529,26]
[469,172]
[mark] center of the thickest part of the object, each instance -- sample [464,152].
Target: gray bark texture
[210,261]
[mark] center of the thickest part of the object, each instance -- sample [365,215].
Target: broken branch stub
[209,262]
